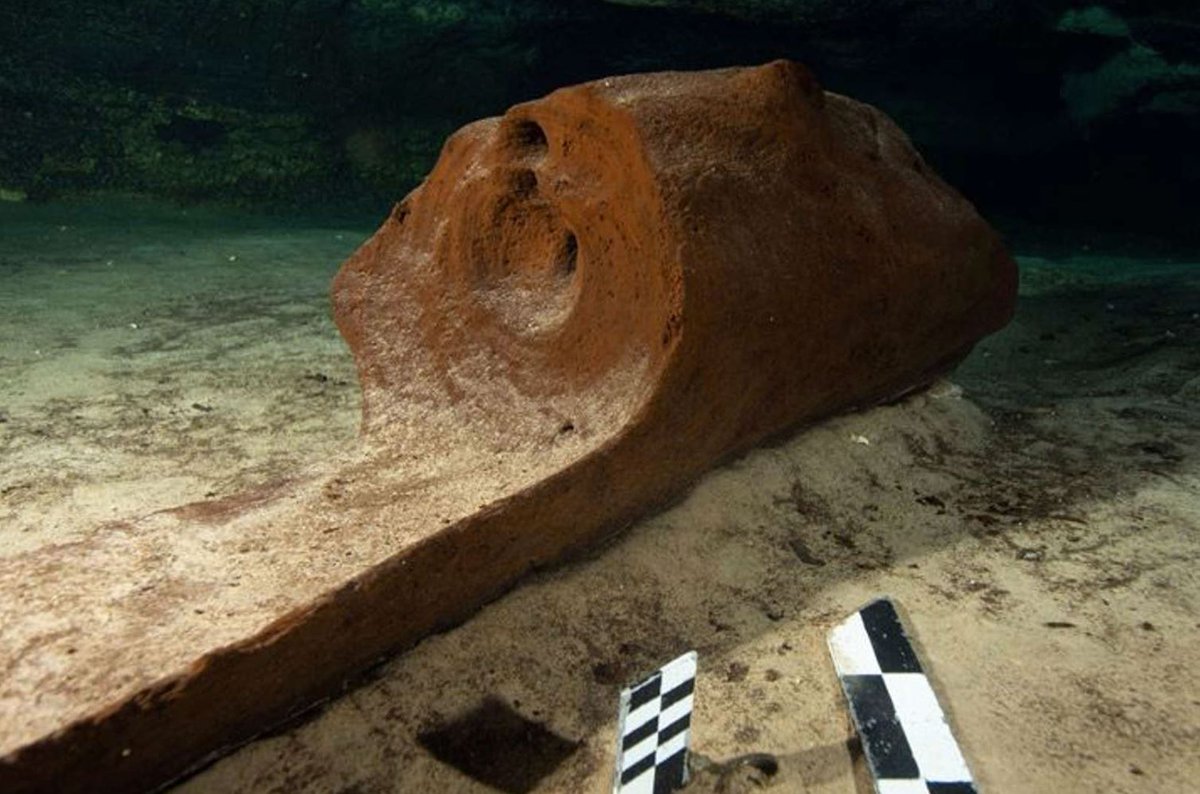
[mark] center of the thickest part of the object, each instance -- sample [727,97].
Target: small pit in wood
[526,267]
[527,139]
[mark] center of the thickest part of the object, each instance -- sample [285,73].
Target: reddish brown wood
[589,302]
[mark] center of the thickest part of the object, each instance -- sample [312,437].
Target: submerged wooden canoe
[589,301]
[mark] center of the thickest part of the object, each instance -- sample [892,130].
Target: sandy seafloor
[1036,516]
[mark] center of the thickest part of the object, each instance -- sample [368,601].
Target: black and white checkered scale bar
[656,716]
[904,733]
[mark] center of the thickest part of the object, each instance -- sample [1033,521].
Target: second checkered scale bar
[656,716]
[904,733]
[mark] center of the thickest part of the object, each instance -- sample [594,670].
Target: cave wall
[1046,110]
